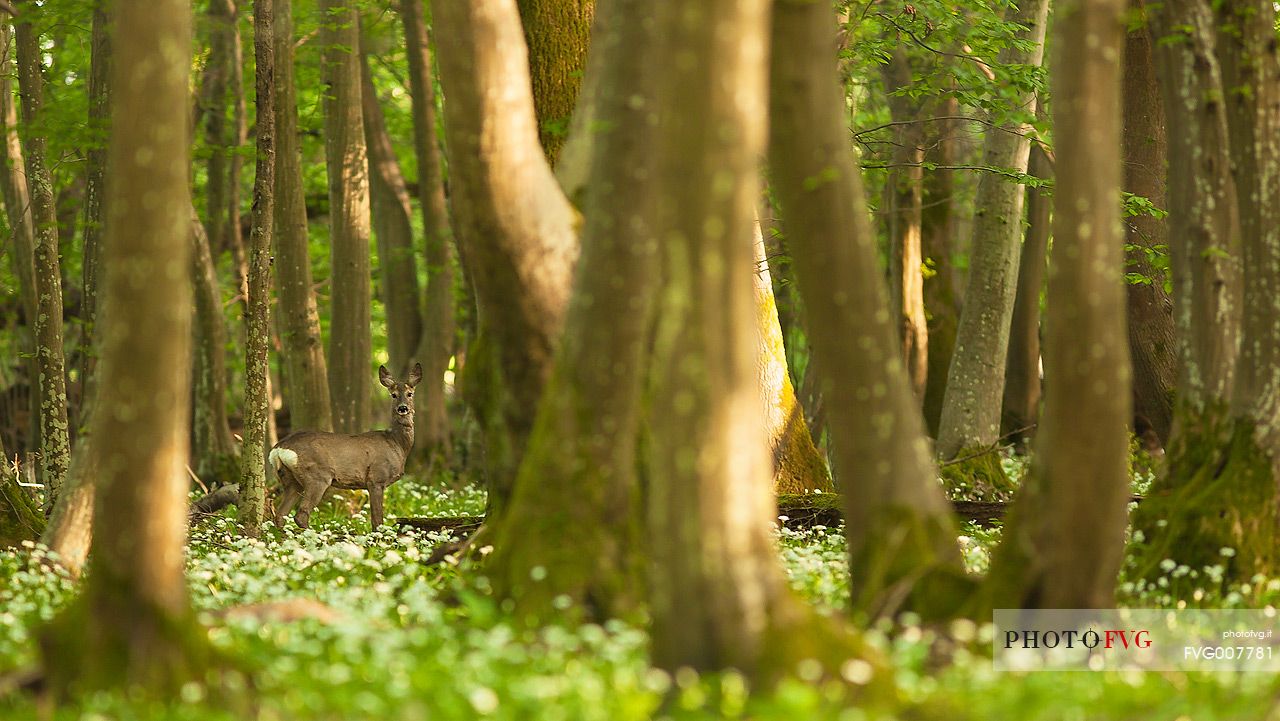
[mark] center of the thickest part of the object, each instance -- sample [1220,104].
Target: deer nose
[402,409]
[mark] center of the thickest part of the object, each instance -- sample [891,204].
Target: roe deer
[308,463]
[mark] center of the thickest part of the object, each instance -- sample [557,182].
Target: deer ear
[384,377]
[415,375]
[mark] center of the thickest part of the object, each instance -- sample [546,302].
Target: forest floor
[401,640]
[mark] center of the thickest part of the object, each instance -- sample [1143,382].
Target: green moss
[1215,495]
[911,563]
[20,517]
[977,474]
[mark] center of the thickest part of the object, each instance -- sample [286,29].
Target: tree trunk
[938,236]
[975,382]
[1065,540]
[1152,342]
[557,33]
[581,458]
[432,421]
[350,342]
[70,528]
[20,517]
[214,453]
[901,534]
[1183,520]
[797,465]
[905,194]
[517,232]
[394,233]
[1022,372]
[257,401]
[223,34]
[132,626]
[306,379]
[55,442]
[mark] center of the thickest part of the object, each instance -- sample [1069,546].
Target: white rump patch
[279,457]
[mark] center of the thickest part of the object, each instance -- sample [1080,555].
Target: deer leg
[375,506]
[289,495]
[311,495]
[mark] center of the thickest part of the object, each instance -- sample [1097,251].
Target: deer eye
[394,394]
[408,394]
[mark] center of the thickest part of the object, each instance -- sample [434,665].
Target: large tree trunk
[1022,371]
[1064,542]
[132,626]
[55,442]
[350,340]
[432,421]
[557,33]
[306,378]
[257,402]
[901,534]
[517,232]
[70,528]
[975,382]
[1205,255]
[394,233]
[581,458]
[1152,341]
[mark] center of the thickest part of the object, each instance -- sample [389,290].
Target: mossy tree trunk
[1021,407]
[1190,499]
[20,517]
[55,439]
[306,377]
[557,33]
[578,485]
[257,403]
[133,626]
[719,598]
[350,339]
[391,214]
[437,345]
[516,230]
[1152,341]
[798,467]
[1064,541]
[901,533]
[975,381]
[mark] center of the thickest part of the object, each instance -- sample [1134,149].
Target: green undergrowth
[408,641]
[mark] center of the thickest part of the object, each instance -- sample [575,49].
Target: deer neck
[401,434]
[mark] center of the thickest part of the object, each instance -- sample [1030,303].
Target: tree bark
[132,626]
[581,458]
[350,342]
[394,233]
[1022,373]
[938,237]
[557,33]
[899,525]
[1065,540]
[306,378]
[223,34]
[1152,341]
[257,406]
[516,230]
[975,381]
[432,422]
[214,453]
[55,441]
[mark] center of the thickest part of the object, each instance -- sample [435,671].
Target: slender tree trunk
[901,534]
[557,33]
[582,455]
[516,230]
[975,381]
[1205,254]
[905,194]
[223,34]
[1063,546]
[350,342]
[797,465]
[257,400]
[132,626]
[391,225]
[1022,372]
[214,452]
[1152,341]
[235,166]
[307,381]
[432,421]
[70,528]
[938,236]
[55,442]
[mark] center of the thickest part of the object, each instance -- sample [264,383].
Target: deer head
[401,393]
